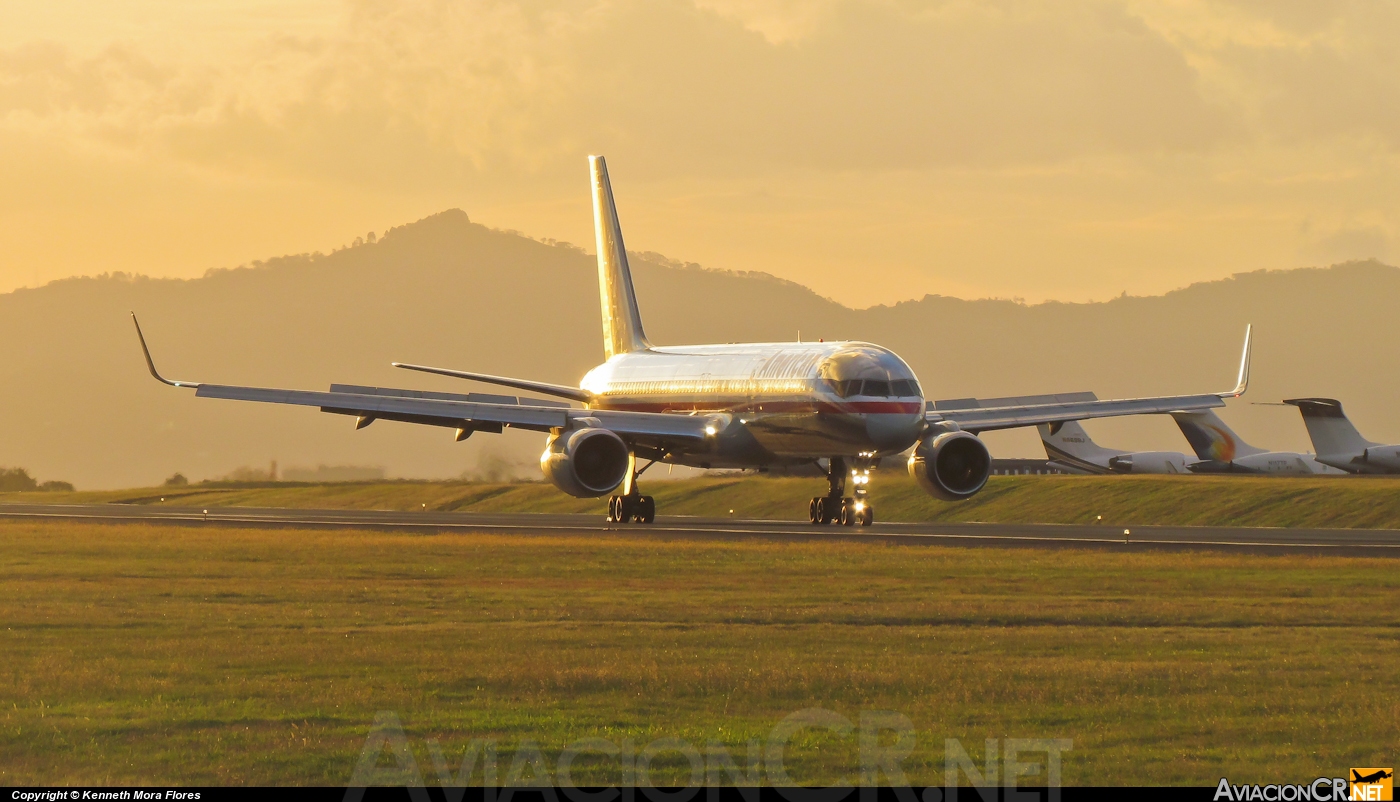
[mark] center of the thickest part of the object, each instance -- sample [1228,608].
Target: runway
[1355,542]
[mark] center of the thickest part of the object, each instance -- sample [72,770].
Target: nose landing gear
[836,506]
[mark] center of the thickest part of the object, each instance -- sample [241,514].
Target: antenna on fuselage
[622,321]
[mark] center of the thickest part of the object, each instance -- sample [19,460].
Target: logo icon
[1372,785]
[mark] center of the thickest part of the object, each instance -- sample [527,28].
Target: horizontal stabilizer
[468,398]
[557,390]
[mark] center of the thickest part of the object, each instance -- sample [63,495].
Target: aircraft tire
[867,516]
[814,510]
[646,510]
[620,510]
[848,512]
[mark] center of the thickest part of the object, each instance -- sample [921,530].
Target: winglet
[1242,383]
[150,363]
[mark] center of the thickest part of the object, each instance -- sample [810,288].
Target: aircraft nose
[893,431]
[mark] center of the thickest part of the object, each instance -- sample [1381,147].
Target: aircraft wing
[471,412]
[990,418]
[467,412]
[374,403]
[1011,413]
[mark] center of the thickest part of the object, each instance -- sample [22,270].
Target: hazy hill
[77,404]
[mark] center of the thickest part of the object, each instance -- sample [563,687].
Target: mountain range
[76,402]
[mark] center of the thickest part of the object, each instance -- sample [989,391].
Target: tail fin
[622,322]
[1211,438]
[1328,427]
[1069,444]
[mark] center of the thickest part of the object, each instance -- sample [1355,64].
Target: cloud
[1024,148]
[1348,244]
[859,85]
[405,90]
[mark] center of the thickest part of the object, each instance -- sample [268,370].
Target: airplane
[842,406]
[1373,777]
[1337,442]
[1222,451]
[1068,445]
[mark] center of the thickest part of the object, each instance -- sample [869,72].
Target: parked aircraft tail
[622,322]
[1328,427]
[1068,444]
[1211,438]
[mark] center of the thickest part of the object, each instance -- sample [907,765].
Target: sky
[874,150]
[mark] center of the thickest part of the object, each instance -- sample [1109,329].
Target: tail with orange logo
[1211,438]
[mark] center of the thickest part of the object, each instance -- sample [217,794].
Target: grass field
[1362,502]
[157,655]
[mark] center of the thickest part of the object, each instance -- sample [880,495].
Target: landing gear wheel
[617,512]
[867,516]
[627,509]
[848,511]
[814,510]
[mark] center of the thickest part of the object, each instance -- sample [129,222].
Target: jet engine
[586,463]
[952,465]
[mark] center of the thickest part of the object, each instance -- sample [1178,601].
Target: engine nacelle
[952,465]
[586,463]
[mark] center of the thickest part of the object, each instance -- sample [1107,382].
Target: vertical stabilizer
[622,322]
[1331,432]
[1068,444]
[1211,438]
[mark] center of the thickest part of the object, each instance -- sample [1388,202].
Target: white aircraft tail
[1069,444]
[1329,428]
[622,322]
[1211,438]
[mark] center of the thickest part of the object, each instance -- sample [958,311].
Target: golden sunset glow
[874,150]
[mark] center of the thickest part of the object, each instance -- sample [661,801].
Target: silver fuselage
[780,402]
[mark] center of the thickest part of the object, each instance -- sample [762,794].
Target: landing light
[710,430]
[860,505]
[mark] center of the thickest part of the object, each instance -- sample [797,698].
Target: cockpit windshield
[901,388]
[869,371]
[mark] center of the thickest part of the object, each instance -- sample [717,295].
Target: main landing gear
[632,505]
[836,506]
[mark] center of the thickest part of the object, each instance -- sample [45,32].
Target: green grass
[161,655]
[1357,502]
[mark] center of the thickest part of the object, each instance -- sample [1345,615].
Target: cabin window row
[712,386]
